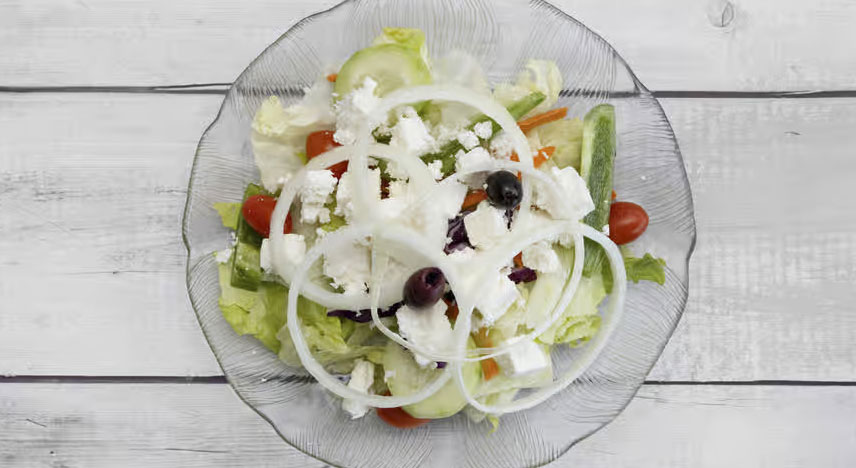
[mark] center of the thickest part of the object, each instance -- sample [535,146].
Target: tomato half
[397,417]
[258,210]
[627,221]
[321,142]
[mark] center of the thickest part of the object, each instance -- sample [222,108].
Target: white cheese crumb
[314,194]
[483,130]
[468,139]
[344,202]
[428,328]
[498,295]
[353,110]
[477,159]
[501,145]
[573,201]
[605,229]
[436,168]
[524,359]
[485,225]
[411,134]
[362,378]
[349,267]
[541,257]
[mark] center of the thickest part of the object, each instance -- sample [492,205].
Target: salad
[421,241]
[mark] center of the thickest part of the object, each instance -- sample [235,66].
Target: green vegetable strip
[598,159]
[245,264]
[245,233]
[517,110]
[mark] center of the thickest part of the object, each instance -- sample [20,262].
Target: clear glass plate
[503,35]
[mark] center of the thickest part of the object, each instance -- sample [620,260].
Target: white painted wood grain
[91,260]
[162,425]
[741,45]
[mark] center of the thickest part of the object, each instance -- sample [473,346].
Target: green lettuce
[542,76]
[647,268]
[409,38]
[565,135]
[335,342]
[580,321]
[230,214]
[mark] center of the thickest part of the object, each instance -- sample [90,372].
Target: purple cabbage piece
[441,364]
[457,234]
[523,275]
[364,315]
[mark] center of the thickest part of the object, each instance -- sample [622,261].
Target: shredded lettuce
[539,75]
[647,268]
[580,321]
[253,313]
[230,214]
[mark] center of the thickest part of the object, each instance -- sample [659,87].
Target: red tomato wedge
[258,210]
[627,221]
[321,142]
[397,417]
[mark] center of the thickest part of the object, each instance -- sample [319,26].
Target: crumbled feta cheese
[483,130]
[446,133]
[293,251]
[499,294]
[223,256]
[436,168]
[541,257]
[462,255]
[448,202]
[344,199]
[411,134]
[468,139]
[574,200]
[396,171]
[362,378]
[314,194]
[353,111]
[398,189]
[485,225]
[349,267]
[524,359]
[501,145]
[477,159]
[428,328]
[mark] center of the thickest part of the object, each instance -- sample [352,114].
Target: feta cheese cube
[314,194]
[223,256]
[501,145]
[483,130]
[499,294]
[478,159]
[410,133]
[353,110]
[349,267]
[541,257]
[574,200]
[485,225]
[436,168]
[524,359]
[468,139]
[293,251]
[362,378]
[344,197]
[428,328]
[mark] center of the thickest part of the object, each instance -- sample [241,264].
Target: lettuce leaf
[409,38]
[335,342]
[538,75]
[565,135]
[230,214]
[647,268]
[580,321]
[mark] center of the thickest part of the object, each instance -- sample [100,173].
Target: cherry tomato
[257,211]
[627,221]
[321,142]
[397,417]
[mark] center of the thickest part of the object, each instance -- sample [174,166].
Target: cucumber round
[390,65]
[409,377]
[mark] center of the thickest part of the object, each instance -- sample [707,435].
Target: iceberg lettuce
[538,75]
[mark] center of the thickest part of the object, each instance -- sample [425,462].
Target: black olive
[424,288]
[504,190]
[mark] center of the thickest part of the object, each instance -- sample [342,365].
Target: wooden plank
[100,180]
[153,425]
[762,45]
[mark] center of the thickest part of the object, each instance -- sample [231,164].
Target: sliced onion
[333,241]
[592,351]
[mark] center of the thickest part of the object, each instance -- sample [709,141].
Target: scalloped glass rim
[649,171]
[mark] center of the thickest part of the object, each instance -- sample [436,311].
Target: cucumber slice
[596,168]
[246,264]
[392,66]
[408,378]
[246,267]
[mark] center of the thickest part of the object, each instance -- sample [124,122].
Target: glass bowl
[502,35]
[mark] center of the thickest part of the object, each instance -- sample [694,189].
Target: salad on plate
[423,242]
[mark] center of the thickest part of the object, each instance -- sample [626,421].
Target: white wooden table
[102,361]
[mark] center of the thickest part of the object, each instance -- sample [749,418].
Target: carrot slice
[490,368]
[518,260]
[543,155]
[473,198]
[540,119]
[614,195]
[332,77]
